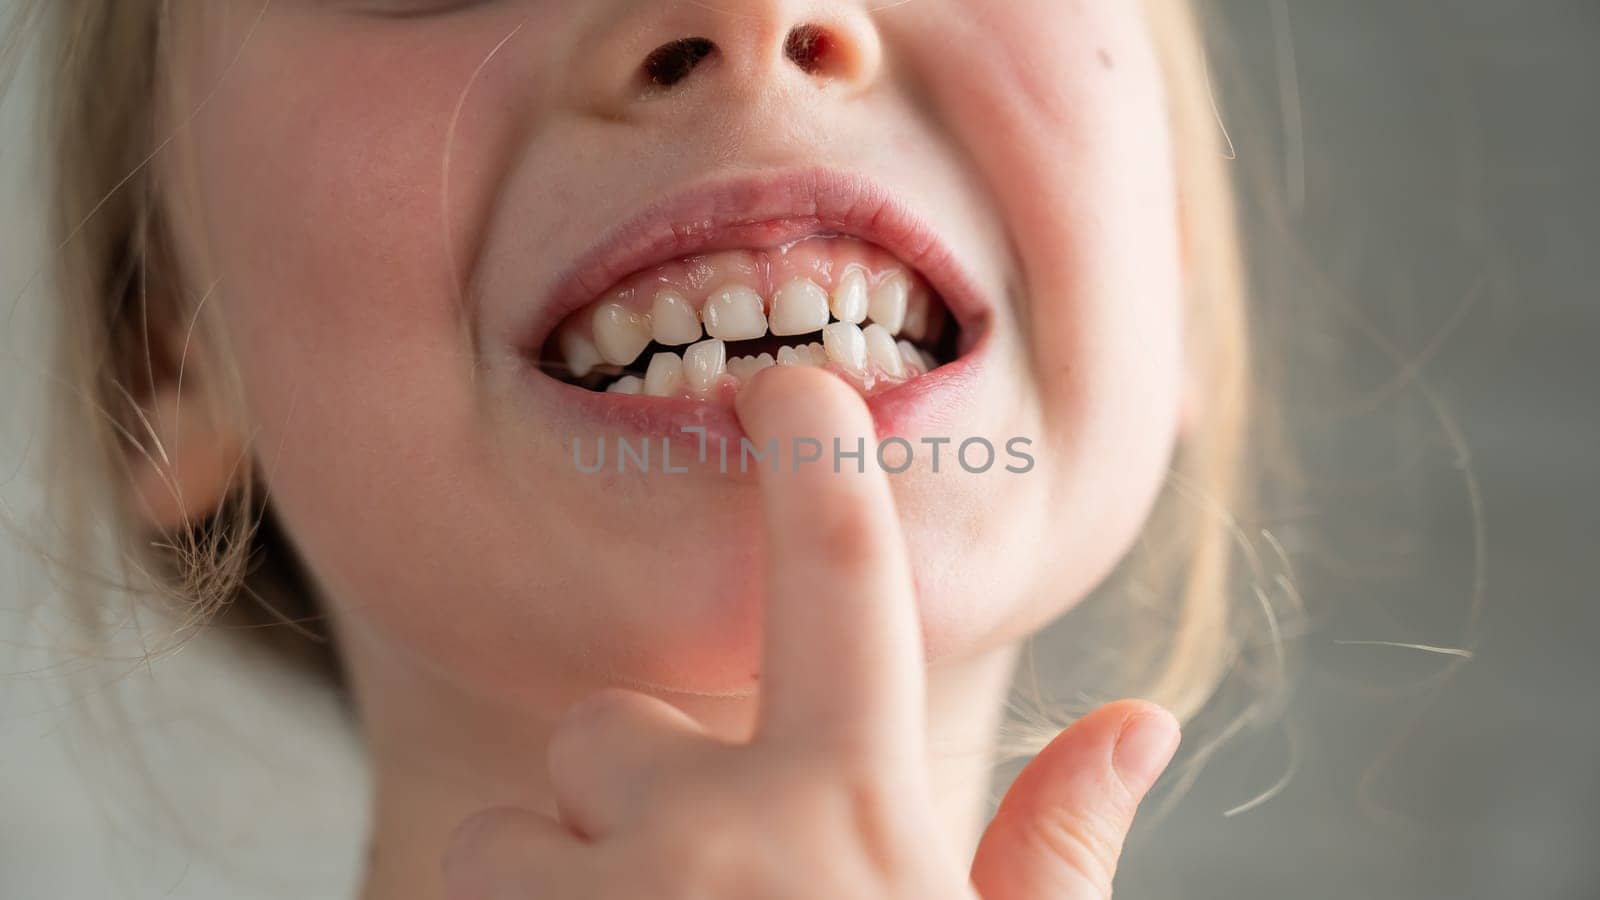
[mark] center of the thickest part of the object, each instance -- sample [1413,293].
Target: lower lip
[937,399]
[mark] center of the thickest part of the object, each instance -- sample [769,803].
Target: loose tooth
[620,334]
[764,361]
[739,367]
[665,376]
[817,353]
[789,356]
[850,297]
[799,307]
[627,384]
[704,363]
[881,348]
[915,324]
[912,356]
[846,346]
[579,353]
[672,320]
[734,313]
[888,304]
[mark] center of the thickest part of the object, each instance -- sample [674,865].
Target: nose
[723,50]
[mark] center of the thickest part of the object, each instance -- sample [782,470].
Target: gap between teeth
[869,357]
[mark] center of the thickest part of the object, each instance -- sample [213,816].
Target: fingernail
[1144,747]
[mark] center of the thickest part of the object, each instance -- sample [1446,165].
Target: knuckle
[1088,843]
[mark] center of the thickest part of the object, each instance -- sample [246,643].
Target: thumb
[1059,830]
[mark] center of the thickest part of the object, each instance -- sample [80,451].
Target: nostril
[671,63]
[809,47]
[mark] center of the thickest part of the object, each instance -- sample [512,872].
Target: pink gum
[824,260]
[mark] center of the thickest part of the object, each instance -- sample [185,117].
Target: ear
[188,458]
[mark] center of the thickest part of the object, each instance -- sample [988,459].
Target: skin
[479,588]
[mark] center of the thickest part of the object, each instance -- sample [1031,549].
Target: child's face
[390,322]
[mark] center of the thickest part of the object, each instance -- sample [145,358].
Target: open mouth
[700,327]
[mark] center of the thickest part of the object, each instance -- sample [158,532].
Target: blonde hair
[119,288]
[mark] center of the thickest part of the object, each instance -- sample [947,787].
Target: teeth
[764,361]
[889,301]
[704,363]
[817,353]
[912,357]
[929,361]
[620,334]
[665,376]
[881,348]
[789,356]
[579,353]
[673,321]
[915,325]
[850,298]
[799,307]
[846,346]
[734,313]
[627,384]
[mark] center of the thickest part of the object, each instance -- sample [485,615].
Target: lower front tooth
[790,356]
[704,363]
[620,334]
[846,346]
[665,376]
[912,356]
[627,384]
[882,350]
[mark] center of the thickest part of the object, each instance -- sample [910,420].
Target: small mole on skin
[1105,59]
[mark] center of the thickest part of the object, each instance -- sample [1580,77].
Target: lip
[764,211]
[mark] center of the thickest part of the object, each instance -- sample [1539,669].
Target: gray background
[1434,165]
[1421,200]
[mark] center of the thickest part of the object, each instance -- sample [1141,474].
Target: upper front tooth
[880,346]
[734,313]
[620,334]
[704,363]
[579,353]
[915,324]
[850,297]
[799,307]
[672,320]
[846,346]
[888,304]
[665,376]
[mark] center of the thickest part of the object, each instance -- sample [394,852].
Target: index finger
[842,657]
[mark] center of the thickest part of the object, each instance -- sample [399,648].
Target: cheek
[1068,121]
[1061,108]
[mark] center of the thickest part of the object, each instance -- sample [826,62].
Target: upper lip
[758,212]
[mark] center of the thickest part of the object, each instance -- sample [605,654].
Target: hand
[830,799]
